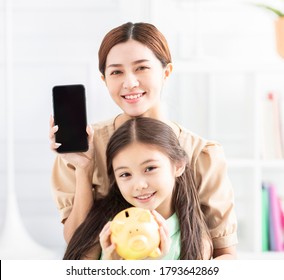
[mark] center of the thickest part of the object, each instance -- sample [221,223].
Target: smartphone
[70,114]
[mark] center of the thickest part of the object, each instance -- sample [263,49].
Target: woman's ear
[179,168]
[103,78]
[168,70]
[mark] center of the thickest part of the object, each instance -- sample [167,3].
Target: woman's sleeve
[63,186]
[216,195]
[64,181]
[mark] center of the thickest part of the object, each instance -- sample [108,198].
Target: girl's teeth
[144,196]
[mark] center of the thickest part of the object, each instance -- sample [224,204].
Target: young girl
[151,171]
[135,62]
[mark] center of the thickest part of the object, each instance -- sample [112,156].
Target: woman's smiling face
[134,77]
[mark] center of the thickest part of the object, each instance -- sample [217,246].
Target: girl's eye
[150,168]
[124,175]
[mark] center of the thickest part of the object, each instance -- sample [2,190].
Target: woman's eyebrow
[134,63]
[114,65]
[140,61]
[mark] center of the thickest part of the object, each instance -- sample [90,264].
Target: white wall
[56,42]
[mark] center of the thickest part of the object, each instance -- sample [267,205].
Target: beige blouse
[210,171]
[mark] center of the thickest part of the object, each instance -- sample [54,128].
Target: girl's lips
[145,197]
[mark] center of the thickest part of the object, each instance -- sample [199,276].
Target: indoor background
[225,63]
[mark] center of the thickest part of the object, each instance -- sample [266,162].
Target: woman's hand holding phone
[80,160]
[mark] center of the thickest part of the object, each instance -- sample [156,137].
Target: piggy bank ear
[116,227]
[145,217]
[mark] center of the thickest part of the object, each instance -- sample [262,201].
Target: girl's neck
[167,213]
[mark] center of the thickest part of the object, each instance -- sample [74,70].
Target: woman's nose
[130,81]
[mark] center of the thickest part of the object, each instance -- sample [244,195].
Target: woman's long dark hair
[185,202]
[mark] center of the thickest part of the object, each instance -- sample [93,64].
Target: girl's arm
[228,253]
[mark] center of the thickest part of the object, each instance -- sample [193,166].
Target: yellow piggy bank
[135,233]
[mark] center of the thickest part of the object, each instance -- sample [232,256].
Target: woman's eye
[115,72]
[141,68]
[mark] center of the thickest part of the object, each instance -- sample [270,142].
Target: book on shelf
[276,242]
[265,219]
[281,116]
[271,128]
[272,219]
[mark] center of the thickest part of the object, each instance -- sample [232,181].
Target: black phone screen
[69,108]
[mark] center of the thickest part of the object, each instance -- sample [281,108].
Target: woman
[135,61]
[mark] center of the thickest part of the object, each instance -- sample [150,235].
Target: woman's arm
[83,201]
[83,164]
[228,253]
[83,198]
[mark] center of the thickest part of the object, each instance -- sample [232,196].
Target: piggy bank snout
[135,233]
[138,243]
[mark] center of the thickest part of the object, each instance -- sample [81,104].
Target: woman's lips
[133,97]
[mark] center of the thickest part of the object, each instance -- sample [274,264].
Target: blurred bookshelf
[224,101]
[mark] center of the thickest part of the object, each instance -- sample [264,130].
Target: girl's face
[146,177]
[135,77]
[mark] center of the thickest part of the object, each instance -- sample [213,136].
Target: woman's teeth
[135,96]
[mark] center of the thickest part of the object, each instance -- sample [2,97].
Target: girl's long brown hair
[145,33]
[185,201]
